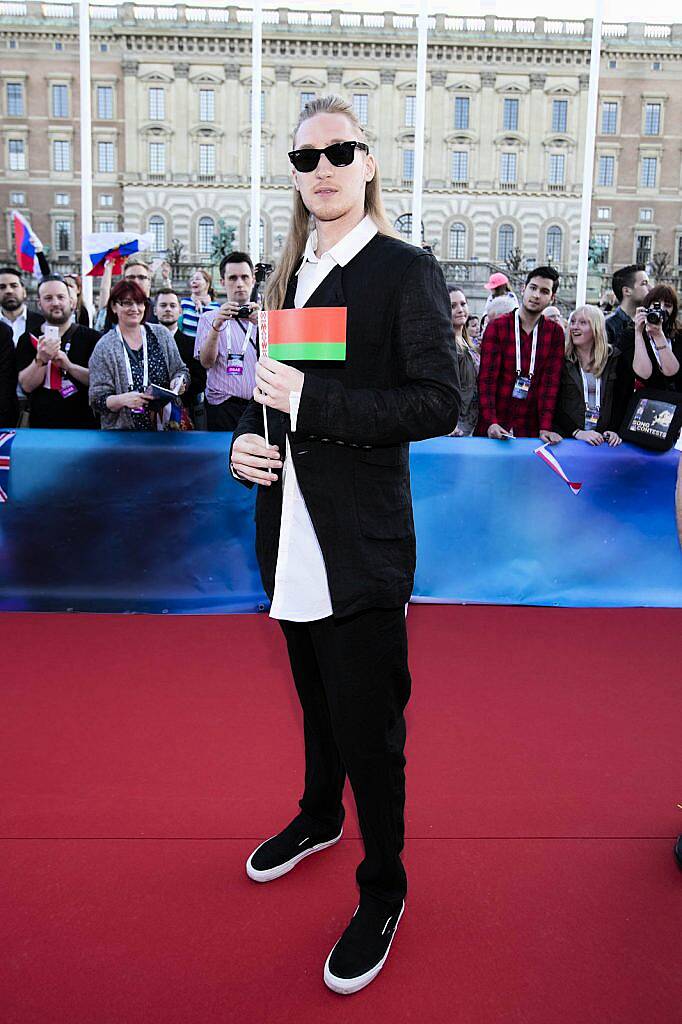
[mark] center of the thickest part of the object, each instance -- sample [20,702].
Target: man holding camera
[631,287]
[226,345]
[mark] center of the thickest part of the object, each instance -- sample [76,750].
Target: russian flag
[103,247]
[25,250]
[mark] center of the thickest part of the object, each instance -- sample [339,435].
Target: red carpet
[543,780]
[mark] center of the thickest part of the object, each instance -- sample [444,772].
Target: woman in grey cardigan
[128,359]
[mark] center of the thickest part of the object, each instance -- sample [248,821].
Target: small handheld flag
[27,258]
[116,246]
[551,460]
[310,334]
[6,438]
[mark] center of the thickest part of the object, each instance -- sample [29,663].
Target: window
[105,157]
[207,104]
[505,241]
[261,238]
[461,113]
[103,47]
[408,165]
[609,118]
[61,199]
[613,64]
[205,233]
[656,65]
[652,119]
[17,198]
[306,97]
[157,104]
[15,99]
[643,249]
[207,160]
[648,174]
[262,104]
[106,225]
[157,157]
[457,242]
[12,44]
[63,231]
[606,168]
[105,102]
[360,106]
[106,199]
[460,167]
[555,241]
[603,213]
[600,246]
[679,251]
[60,101]
[559,115]
[646,214]
[61,155]
[508,168]
[510,115]
[557,169]
[59,46]
[403,226]
[157,229]
[410,111]
[17,155]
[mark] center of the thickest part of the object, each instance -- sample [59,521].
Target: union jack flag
[6,439]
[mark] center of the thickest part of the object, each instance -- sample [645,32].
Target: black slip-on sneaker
[363,949]
[279,854]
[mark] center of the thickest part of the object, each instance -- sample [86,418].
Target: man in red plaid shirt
[522,355]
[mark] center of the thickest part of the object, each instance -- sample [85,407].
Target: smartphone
[50,332]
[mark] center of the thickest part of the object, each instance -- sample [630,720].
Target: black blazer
[399,383]
[9,408]
[570,408]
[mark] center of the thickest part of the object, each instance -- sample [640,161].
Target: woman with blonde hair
[202,297]
[585,401]
[335,534]
[468,360]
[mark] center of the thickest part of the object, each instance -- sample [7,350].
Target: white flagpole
[417,184]
[256,80]
[86,144]
[588,167]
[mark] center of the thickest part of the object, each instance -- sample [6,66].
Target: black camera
[262,271]
[243,313]
[655,314]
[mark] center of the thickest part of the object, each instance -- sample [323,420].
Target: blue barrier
[153,523]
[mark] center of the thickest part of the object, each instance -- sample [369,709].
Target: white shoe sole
[347,986]
[271,873]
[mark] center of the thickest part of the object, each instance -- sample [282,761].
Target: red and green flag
[309,334]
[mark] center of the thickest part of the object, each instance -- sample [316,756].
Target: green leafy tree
[222,242]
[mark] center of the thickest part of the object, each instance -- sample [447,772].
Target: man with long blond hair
[334,532]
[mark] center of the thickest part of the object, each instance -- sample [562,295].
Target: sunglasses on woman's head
[340,154]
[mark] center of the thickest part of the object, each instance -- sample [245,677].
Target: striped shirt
[190,315]
[221,385]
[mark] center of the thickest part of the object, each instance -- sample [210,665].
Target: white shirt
[301,585]
[18,326]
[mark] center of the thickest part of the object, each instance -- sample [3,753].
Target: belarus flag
[311,333]
[106,246]
[27,258]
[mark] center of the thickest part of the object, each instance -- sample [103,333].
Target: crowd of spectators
[527,372]
[162,361]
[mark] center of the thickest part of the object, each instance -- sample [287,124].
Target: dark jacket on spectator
[9,409]
[197,372]
[620,330]
[570,409]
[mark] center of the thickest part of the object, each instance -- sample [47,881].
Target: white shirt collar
[17,319]
[344,251]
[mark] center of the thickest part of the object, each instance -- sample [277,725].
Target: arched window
[555,241]
[261,239]
[403,226]
[206,230]
[157,229]
[505,241]
[457,242]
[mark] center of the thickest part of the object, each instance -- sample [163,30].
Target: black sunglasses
[340,154]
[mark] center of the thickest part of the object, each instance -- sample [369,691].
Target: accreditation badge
[235,364]
[521,387]
[591,418]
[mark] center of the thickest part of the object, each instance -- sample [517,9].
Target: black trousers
[353,683]
[225,416]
